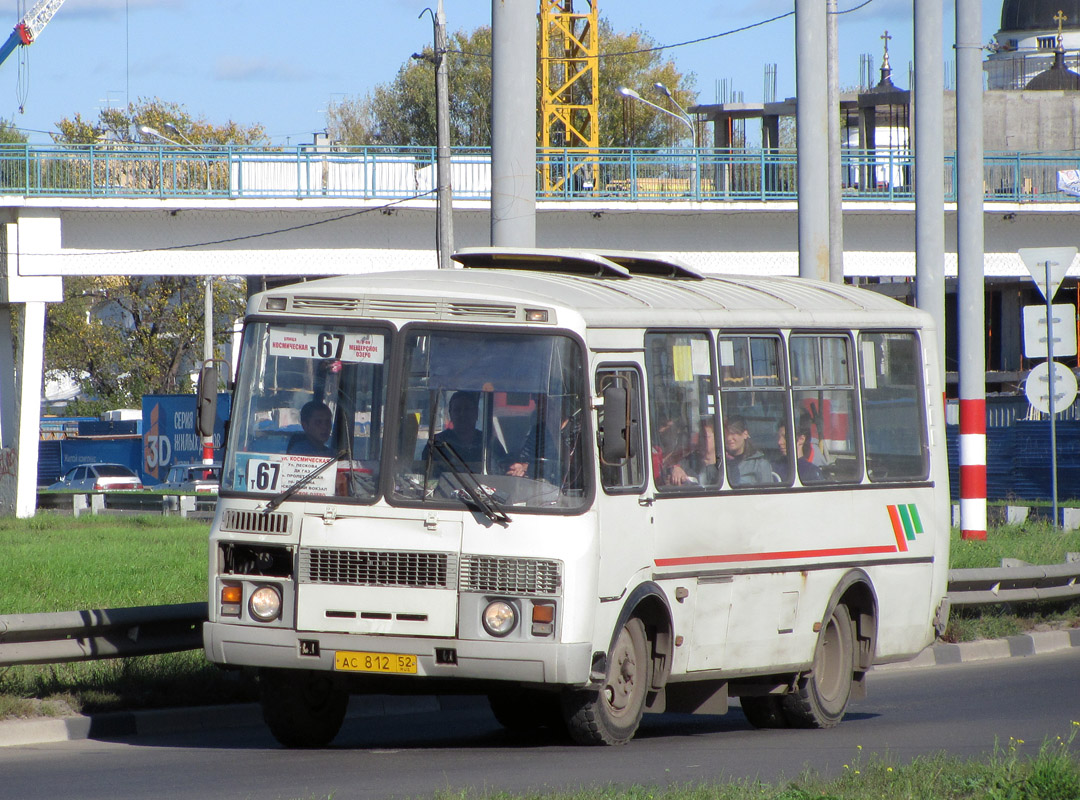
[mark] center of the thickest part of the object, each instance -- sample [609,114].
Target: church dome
[1057,78]
[1038,15]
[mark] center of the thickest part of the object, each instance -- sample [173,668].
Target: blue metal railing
[394,173]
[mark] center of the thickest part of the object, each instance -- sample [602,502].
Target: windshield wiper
[472,487]
[299,484]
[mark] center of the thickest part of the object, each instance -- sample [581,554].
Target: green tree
[10,134]
[125,336]
[121,125]
[403,111]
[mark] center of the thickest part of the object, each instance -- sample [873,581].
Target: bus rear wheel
[612,714]
[820,697]
[301,708]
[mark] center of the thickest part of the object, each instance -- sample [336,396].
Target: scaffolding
[569,95]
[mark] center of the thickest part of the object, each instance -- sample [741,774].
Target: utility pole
[836,198]
[812,132]
[930,171]
[208,355]
[513,124]
[969,251]
[444,195]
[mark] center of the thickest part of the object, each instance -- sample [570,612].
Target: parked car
[201,478]
[99,478]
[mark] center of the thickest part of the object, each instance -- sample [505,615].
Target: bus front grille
[255,521]
[377,568]
[523,576]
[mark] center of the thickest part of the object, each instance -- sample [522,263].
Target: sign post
[1048,266]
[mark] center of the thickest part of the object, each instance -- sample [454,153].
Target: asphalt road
[961,709]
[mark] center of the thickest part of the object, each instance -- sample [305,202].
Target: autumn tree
[10,133]
[122,125]
[403,111]
[122,337]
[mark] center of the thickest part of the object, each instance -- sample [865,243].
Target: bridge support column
[22,361]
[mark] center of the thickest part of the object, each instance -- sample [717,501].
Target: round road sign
[1037,387]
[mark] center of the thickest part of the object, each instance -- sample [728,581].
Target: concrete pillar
[970,271]
[722,144]
[812,133]
[928,121]
[513,125]
[26,248]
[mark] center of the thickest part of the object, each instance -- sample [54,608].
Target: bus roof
[632,292]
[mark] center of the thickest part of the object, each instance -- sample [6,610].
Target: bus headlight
[499,618]
[265,603]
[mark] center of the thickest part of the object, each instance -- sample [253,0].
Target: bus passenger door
[625,516]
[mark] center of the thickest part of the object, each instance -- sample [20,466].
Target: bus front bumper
[531,662]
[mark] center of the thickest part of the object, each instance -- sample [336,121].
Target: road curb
[1027,644]
[178,720]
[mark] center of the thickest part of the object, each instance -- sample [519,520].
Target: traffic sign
[1063,319]
[1036,260]
[1037,387]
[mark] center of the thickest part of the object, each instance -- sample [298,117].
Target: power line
[731,32]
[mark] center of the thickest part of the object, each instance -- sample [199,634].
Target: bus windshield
[308,398]
[494,414]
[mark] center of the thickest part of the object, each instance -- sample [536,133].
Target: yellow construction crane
[569,94]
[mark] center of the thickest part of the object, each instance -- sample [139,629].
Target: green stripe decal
[905,517]
[914,509]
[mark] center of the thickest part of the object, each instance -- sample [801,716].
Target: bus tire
[526,710]
[764,711]
[611,715]
[820,697]
[303,709]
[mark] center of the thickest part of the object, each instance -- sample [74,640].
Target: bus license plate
[391,663]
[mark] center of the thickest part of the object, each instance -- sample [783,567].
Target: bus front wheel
[301,708]
[612,714]
[820,697]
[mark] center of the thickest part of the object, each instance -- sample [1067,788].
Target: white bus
[587,485]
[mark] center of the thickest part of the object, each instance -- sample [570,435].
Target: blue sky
[280,64]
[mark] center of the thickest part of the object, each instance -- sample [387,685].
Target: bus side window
[753,397]
[626,475]
[826,420]
[890,368]
[682,411]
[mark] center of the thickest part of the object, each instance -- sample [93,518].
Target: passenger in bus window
[809,472]
[317,421]
[670,445]
[691,465]
[747,465]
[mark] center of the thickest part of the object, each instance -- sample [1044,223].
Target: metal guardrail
[1019,584]
[107,633]
[122,632]
[189,506]
[128,170]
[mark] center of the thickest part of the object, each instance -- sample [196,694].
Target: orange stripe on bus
[778,556]
[898,529]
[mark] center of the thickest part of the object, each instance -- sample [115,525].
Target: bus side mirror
[615,438]
[206,400]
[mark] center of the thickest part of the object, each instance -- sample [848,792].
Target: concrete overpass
[43,239]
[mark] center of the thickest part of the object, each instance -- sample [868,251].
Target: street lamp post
[684,119]
[147,130]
